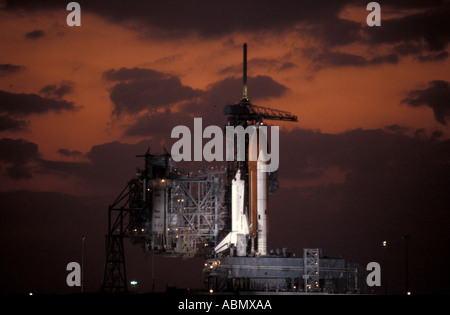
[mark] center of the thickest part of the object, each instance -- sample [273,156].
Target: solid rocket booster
[262,203]
[252,198]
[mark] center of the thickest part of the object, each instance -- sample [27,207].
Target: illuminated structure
[183,213]
[258,182]
[238,266]
[166,211]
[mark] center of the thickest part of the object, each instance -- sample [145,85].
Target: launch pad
[280,272]
[222,214]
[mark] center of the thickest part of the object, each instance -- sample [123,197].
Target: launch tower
[222,214]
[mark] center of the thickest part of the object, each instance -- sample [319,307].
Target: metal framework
[165,210]
[245,111]
[283,272]
[311,272]
[196,212]
[121,220]
[115,277]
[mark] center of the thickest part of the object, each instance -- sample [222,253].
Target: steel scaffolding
[165,210]
[311,265]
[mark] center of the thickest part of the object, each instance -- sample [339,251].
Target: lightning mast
[244,94]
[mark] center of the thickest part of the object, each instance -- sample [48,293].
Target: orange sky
[346,181]
[332,100]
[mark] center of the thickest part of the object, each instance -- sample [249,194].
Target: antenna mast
[244,96]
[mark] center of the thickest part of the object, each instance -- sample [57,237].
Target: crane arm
[248,111]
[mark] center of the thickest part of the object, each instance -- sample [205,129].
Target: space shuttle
[249,223]
[241,228]
[239,222]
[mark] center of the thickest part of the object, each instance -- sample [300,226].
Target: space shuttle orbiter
[240,229]
[250,217]
[239,221]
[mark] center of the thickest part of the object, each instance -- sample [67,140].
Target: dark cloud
[146,89]
[216,19]
[17,151]
[270,65]
[421,23]
[158,125]
[131,74]
[405,49]
[57,92]
[16,154]
[397,129]
[70,153]
[229,90]
[336,31]
[7,69]
[13,106]
[10,124]
[23,104]
[436,96]
[433,57]
[287,65]
[421,51]
[329,59]
[150,93]
[65,169]
[34,34]
[106,167]
[206,18]
[359,151]
[427,21]
[412,4]
[431,26]
[422,30]
[209,105]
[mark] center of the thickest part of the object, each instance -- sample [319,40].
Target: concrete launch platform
[277,273]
